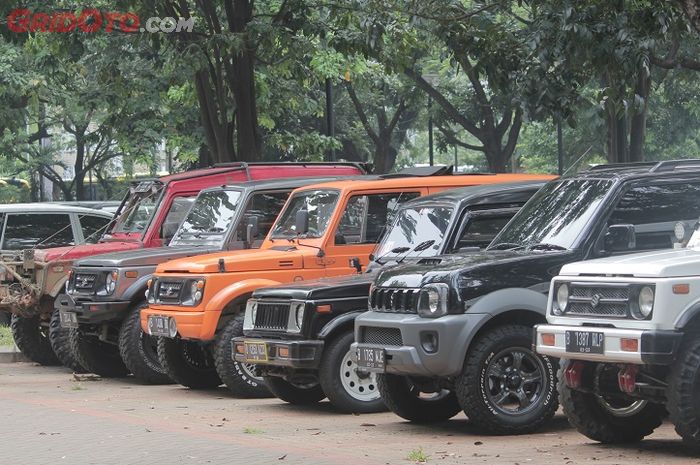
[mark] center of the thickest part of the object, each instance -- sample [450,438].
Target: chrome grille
[169,291]
[84,281]
[395,300]
[272,315]
[381,336]
[596,300]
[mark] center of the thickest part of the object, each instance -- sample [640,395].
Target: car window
[481,230]
[654,210]
[93,227]
[40,230]
[366,217]
[178,210]
[265,206]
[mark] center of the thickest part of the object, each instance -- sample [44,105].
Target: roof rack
[366,167]
[420,171]
[654,166]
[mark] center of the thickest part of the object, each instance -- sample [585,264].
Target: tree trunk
[692,11]
[638,124]
[217,133]
[78,167]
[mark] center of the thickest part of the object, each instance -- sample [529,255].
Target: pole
[430,131]
[560,148]
[330,116]
[456,161]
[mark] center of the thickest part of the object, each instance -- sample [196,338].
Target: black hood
[478,273]
[356,285]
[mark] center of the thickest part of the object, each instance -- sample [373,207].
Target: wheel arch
[338,324]
[232,299]
[689,318]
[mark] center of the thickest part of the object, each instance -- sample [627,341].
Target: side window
[366,217]
[481,229]
[265,206]
[93,227]
[654,211]
[178,211]
[40,230]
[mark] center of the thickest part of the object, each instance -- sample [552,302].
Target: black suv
[302,366]
[454,333]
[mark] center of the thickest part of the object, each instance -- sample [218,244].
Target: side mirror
[167,231]
[252,230]
[620,238]
[302,222]
[355,263]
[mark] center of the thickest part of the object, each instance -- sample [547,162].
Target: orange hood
[241,260]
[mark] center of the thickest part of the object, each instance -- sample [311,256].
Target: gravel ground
[48,416]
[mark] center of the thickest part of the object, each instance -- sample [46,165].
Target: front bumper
[657,347]
[300,354]
[428,347]
[92,312]
[191,324]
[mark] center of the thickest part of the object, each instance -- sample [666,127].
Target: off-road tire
[238,378]
[33,340]
[590,418]
[471,386]
[60,343]
[97,356]
[173,356]
[140,360]
[330,378]
[401,397]
[683,402]
[286,391]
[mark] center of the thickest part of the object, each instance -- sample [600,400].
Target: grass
[252,431]
[77,387]
[6,336]
[417,455]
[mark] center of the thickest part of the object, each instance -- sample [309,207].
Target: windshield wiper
[395,250]
[423,246]
[546,246]
[506,246]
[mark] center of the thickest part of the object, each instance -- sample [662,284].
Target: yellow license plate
[255,351]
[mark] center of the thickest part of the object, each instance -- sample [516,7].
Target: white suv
[627,329]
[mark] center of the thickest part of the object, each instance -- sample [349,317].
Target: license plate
[371,359]
[68,319]
[585,342]
[255,351]
[159,326]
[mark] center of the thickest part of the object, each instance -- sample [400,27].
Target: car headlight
[111,282]
[646,303]
[196,291]
[253,309]
[298,309]
[432,300]
[562,299]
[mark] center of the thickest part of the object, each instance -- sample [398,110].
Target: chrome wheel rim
[623,411]
[359,386]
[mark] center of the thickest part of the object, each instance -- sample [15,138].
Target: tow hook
[573,375]
[627,378]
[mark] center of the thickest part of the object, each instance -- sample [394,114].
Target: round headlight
[562,297]
[111,282]
[193,288]
[300,315]
[172,327]
[646,301]
[433,300]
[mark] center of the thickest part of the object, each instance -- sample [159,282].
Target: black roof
[480,195]
[624,171]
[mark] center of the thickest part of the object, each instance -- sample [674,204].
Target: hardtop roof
[50,207]
[476,194]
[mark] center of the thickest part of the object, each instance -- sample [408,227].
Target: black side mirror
[252,230]
[620,238]
[355,263]
[167,231]
[302,222]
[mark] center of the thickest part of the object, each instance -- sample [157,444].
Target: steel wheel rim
[624,411]
[359,387]
[514,381]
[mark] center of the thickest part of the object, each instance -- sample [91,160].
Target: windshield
[139,208]
[319,205]
[556,214]
[412,227]
[209,218]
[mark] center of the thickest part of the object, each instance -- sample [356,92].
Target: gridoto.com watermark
[90,21]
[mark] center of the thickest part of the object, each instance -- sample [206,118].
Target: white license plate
[68,319]
[159,325]
[371,359]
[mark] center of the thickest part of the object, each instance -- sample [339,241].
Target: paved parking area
[47,416]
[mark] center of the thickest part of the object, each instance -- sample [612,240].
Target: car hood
[657,264]
[480,271]
[239,260]
[340,287]
[78,251]
[143,257]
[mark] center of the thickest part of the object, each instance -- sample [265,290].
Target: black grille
[85,281]
[597,300]
[272,315]
[397,300]
[169,291]
[381,336]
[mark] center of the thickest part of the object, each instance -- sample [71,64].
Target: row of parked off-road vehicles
[416,292]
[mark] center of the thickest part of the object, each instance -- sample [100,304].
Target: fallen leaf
[367,424]
[282,457]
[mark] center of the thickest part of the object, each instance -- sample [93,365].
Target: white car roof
[47,207]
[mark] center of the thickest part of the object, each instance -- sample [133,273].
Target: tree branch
[361,113]
[454,140]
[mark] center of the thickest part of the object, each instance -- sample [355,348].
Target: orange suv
[196,304]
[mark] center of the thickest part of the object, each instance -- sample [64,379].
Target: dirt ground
[48,417]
